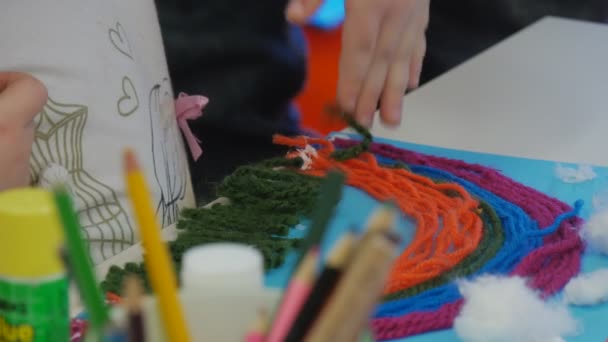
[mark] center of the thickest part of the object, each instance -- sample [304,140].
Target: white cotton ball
[595,231]
[504,309]
[580,174]
[588,289]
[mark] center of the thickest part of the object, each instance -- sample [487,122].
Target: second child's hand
[21,98]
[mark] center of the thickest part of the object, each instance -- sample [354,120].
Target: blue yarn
[558,221]
[520,239]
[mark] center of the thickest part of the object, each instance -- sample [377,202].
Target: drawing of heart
[128,102]
[118,37]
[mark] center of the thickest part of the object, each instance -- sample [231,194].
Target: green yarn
[264,204]
[262,189]
[266,200]
[114,278]
[398,165]
[356,150]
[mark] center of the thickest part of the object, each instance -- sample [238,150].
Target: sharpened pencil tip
[260,325]
[133,293]
[130,160]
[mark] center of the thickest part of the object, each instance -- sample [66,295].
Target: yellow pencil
[159,267]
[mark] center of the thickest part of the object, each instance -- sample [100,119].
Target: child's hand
[383,45]
[21,98]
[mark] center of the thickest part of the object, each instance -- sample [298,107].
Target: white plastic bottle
[222,289]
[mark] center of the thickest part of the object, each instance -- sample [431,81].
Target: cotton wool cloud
[595,231]
[588,289]
[505,309]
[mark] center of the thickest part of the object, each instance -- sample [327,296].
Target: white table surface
[542,94]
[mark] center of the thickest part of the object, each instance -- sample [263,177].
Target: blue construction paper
[356,206]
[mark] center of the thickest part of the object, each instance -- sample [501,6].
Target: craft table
[539,94]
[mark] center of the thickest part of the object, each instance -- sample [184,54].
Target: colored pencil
[257,333]
[367,336]
[382,220]
[357,293]
[296,294]
[157,262]
[329,196]
[323,288]
[79,260]
[133,301]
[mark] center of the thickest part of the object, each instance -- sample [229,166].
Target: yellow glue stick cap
[30,234]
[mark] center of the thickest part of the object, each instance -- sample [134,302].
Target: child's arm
[21,98]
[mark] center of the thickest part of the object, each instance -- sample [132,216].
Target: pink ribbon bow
[190,107]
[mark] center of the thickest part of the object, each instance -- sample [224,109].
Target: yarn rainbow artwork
[469,220]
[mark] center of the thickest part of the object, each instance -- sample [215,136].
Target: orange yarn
[448,227]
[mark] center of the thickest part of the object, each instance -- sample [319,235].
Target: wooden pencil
[383,220]
[258,331]
[296,294]
[323,287]
[357,293]
[157,261]
[133,301]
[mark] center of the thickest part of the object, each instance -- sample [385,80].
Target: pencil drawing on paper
[169,172]
[58,141]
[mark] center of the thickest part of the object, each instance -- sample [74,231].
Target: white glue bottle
[222,291]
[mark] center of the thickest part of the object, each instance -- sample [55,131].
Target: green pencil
[329,196]
[80,261]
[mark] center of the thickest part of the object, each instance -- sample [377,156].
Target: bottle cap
[30,234]
[222,267]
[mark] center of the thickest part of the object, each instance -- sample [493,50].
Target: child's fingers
[396,83]
[299,11]
[416,63]
[359,38]
[21,98]
[419,52]
[389,51]
[399,76]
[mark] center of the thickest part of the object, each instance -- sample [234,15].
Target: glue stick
[33,283]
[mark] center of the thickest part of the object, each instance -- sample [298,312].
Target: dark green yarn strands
[114,278]
[265,203]
[356,150]
[259,188]
[266,200]
[491,241]
[266,232]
